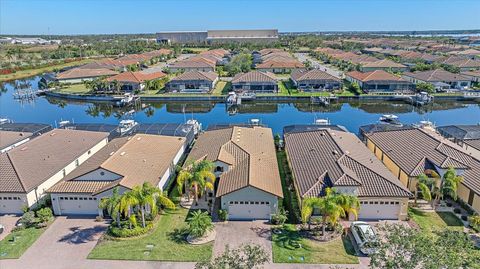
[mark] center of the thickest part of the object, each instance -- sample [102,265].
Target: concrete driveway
[65,243]
[236,233]
[8,222]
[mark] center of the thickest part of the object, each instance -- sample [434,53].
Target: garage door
[248,210]
[11,205]
[78,205]
[379,210]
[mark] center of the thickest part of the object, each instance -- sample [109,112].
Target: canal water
[351,114]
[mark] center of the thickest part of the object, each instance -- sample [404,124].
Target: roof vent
[322,134]
[144,160]
[111,153]
[52,134]
[347,152]
[138,138]
[122,153]
[335,152]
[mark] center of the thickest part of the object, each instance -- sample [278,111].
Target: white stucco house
[28,170]
[124,162]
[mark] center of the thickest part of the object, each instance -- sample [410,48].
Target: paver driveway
[67,241]
[8,222]
[236,233]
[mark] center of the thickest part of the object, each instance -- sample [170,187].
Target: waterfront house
[474,76]
[246,168]
[78,75]
[441,79]
[124,162]
[379,81]
[135,81]
[12,139]
[409,152]
[327,157]
[315,80]
[196,63]
[255,81]
[31,168]
[193,82]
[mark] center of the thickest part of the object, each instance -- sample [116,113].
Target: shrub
[457,210]
[199,223]
[464,217]
[113,230]
[223,215]
[28,219]
[98,218]
[475,222]
[44,215]
[279,218]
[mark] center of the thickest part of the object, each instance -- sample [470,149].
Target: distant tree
[240,63]
[425,87]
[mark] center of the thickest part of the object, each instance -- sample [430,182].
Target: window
[262,203]
[218,169]
[94,198]
[376,202]
[89,152]
[75,198]
[392,203]
[71,198]
[231,202]
[61,198]
[236,202]
[9,198]
[256,203]
[371,202]
[267,203]
[90,198]
[251,202]
[102,173]
[241,202]
[381,202]
[396,203]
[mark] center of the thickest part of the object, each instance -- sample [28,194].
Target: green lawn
[167,240]
[430,221]
[222,88]
[339,251]
[74,89]
[23,240]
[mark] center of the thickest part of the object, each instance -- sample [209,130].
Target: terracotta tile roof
[475,73]
[194,62]
[105,63]
[385,63]
[251,152]
[157,53]
[195,75]
[280,64]
[137,159]
[26,167]
[414,149]
[377,75]
[327,158]
[314,74]
[8,138]
[436,75]
[254,76]
[465,63]
[85,73]
[136,77]
[474,143]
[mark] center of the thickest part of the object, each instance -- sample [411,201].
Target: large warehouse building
[218,36]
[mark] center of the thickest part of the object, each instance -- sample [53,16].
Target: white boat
[322,122]
[63,123]
[197,126]
[255,122]
[126,125]
[5,120]
[388,117]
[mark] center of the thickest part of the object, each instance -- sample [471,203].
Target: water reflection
[351,114]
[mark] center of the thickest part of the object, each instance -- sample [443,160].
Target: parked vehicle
[365,237]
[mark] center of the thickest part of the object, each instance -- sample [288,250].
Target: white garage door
[379,210]
[78,205]
[248,211]
[11,205]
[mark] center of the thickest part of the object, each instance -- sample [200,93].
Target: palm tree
[199,223]
[147,196]
[423,183]
[198,176]
[112,205]
[332,206]
[450,183]
[128,201]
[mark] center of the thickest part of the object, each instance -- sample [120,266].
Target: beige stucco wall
[463,192]
[476,203]
[32,197]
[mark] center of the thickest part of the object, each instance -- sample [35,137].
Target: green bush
[280,217]
[113,230]
[199,223]
[44,215]
[223,215]
[28,219]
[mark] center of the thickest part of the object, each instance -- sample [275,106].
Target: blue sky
[149,16]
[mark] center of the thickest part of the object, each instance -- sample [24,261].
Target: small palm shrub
[199,223]
[279,218]
[223,214]
[44,215]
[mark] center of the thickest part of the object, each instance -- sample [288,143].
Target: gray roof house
[255,81]
[441,79]
[193,82]
[333,158]
[315,80]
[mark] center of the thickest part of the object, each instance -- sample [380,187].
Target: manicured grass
[167,240]
[75,89]
[431,221]
[282,88]
[338,251]
[38,71]
[23,240]
[222,88]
